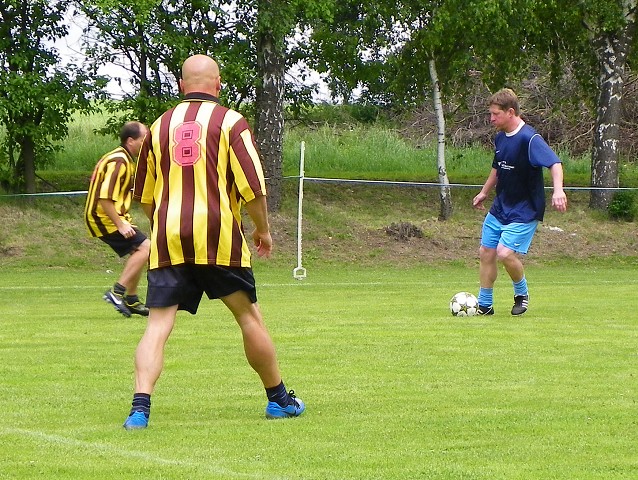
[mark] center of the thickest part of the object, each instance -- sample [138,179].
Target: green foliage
[143,108]
[383,48]
[37,93]
[154,38]
[623,206]
[347,114]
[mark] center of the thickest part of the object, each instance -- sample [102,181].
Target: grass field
[395,387]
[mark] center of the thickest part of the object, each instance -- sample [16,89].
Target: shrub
[622,206]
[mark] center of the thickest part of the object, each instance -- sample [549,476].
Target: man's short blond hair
[506,99]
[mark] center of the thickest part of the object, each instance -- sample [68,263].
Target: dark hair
[132,130]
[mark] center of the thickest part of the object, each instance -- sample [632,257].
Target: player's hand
[559,200]
[263,242]
[126,230]
[477,202]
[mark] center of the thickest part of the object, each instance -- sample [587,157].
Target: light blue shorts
[515,236]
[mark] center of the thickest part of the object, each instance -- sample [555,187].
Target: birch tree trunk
[612,50]
[445,194]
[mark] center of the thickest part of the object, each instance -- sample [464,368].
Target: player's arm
[489,184]
[559,199]
[147,208]
[125,228]
[257,209]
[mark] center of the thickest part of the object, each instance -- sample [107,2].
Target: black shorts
[122,245]
[184,285]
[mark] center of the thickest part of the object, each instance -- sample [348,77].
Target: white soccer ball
[464,304]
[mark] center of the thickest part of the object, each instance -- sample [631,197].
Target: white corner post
[299,273]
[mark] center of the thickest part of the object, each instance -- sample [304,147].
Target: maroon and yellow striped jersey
[112,179]
[198,165]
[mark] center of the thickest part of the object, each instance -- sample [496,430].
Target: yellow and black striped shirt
[112,179]
[198,164]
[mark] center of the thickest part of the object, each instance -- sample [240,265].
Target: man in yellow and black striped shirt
[107,217]
[198,166]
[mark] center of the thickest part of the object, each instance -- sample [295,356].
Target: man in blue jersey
[517,174]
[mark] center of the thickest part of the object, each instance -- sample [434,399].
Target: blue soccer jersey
[519,159]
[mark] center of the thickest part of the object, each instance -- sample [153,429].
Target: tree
[600,36]
[37,93]
[274,19]
[612,34]
[150,39]
[385,49]
[445,195]
[277,22]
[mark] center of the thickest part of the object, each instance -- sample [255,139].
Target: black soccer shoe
[485,310]
[137,307]
[520,304]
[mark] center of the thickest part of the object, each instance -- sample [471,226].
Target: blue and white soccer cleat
[294,409]
[117,301]
[136,420]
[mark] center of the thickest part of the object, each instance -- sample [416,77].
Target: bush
[622,206]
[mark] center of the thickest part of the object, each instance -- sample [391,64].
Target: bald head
[200,73]
[132,130]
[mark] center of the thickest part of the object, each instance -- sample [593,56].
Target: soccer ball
[464,304]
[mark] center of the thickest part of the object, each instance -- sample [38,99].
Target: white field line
[114,450]
[309,283]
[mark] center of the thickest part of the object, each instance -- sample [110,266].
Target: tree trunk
[445,193]
[269,115]
[612,51]
[27,149]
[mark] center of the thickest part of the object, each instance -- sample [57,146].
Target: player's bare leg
[515,270]
[258,345]
[260,353]
[149,361]
[149,356]
[133,268]
[488,269]
[511,262]
[129,281]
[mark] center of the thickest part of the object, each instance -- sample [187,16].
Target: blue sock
[141,403]
[520,288]
[486,297]
[278,395]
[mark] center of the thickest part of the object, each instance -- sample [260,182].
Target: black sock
[141,403]
[119,289]
[131,299]
[278,394]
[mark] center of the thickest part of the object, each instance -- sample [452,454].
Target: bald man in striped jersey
[198,166]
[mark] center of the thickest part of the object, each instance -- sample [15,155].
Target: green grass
[356,152]
[379,153]
[395,387]
[369,152]
[83,147]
